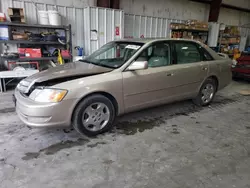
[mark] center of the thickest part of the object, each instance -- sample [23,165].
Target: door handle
[204,68]
[170,74]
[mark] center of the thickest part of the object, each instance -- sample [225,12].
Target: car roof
[149,40]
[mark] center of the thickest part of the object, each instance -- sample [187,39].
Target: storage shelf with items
[229,41]
[49,40]
[39,47]
[191,29]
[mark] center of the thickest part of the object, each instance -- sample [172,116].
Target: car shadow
[140,121]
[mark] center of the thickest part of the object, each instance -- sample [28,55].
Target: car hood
[69,70]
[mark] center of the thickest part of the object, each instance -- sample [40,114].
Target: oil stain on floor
[52,149]
[7,110]
[131,128]
[96,144]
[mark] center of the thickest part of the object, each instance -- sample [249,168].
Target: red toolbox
[65,53]
[29,52]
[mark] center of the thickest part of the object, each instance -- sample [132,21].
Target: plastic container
[54,17]
[80,52]
[43,17]
[4,32]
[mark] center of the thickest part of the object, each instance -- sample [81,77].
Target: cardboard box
[16,15]
[29,52]
[2,17]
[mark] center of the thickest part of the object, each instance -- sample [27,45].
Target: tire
[200,99]
[87,119]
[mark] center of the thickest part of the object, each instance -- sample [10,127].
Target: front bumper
[37,114]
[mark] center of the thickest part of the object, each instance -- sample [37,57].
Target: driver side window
[157,55]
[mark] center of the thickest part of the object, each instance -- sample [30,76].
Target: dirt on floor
[175,145]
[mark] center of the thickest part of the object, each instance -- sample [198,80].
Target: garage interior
[172,145]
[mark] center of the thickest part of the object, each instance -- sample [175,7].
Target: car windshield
[113,54]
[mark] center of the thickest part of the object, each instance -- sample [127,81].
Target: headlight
[48,95]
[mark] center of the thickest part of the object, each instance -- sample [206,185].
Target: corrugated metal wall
[79,18]
[233,17]
[245,32]
[185,9]
[238,3]
[172,9]
[137,26]
[101,26]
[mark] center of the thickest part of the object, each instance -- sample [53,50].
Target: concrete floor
[176,145]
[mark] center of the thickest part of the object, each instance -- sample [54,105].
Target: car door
[189,69]
[144,88]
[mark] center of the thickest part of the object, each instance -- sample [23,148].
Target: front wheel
[206,93]
[94,115]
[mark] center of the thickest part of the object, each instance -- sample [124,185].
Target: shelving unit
[35,25]
[229,41]
[32,44]
[191,29]
[196,33]
[29,42]
[36,59]
[39,44]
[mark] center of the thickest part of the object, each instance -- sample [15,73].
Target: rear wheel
[206,93]
[94,115]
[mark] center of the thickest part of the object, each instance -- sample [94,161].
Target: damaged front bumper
[37,114]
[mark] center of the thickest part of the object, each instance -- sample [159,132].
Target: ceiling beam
[103,3]
[224,5]
[115,4]
[214,10]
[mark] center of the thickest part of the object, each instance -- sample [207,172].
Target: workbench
[12,75]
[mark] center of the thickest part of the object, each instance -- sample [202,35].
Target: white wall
[67,3]
[175,9]
[71,11]
[185,9]
[233,17]
[238,3]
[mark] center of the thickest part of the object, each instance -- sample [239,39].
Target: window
[120,50]
[157,55]
[113,54]
[187,52]
[207,56]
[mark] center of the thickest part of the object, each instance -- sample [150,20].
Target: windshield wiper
[98,64]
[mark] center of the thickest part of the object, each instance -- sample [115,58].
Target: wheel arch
[106,94]
[215,78]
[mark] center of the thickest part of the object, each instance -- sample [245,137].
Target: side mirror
[138,65]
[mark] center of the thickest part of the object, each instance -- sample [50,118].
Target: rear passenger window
[207,56]
[187,52]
